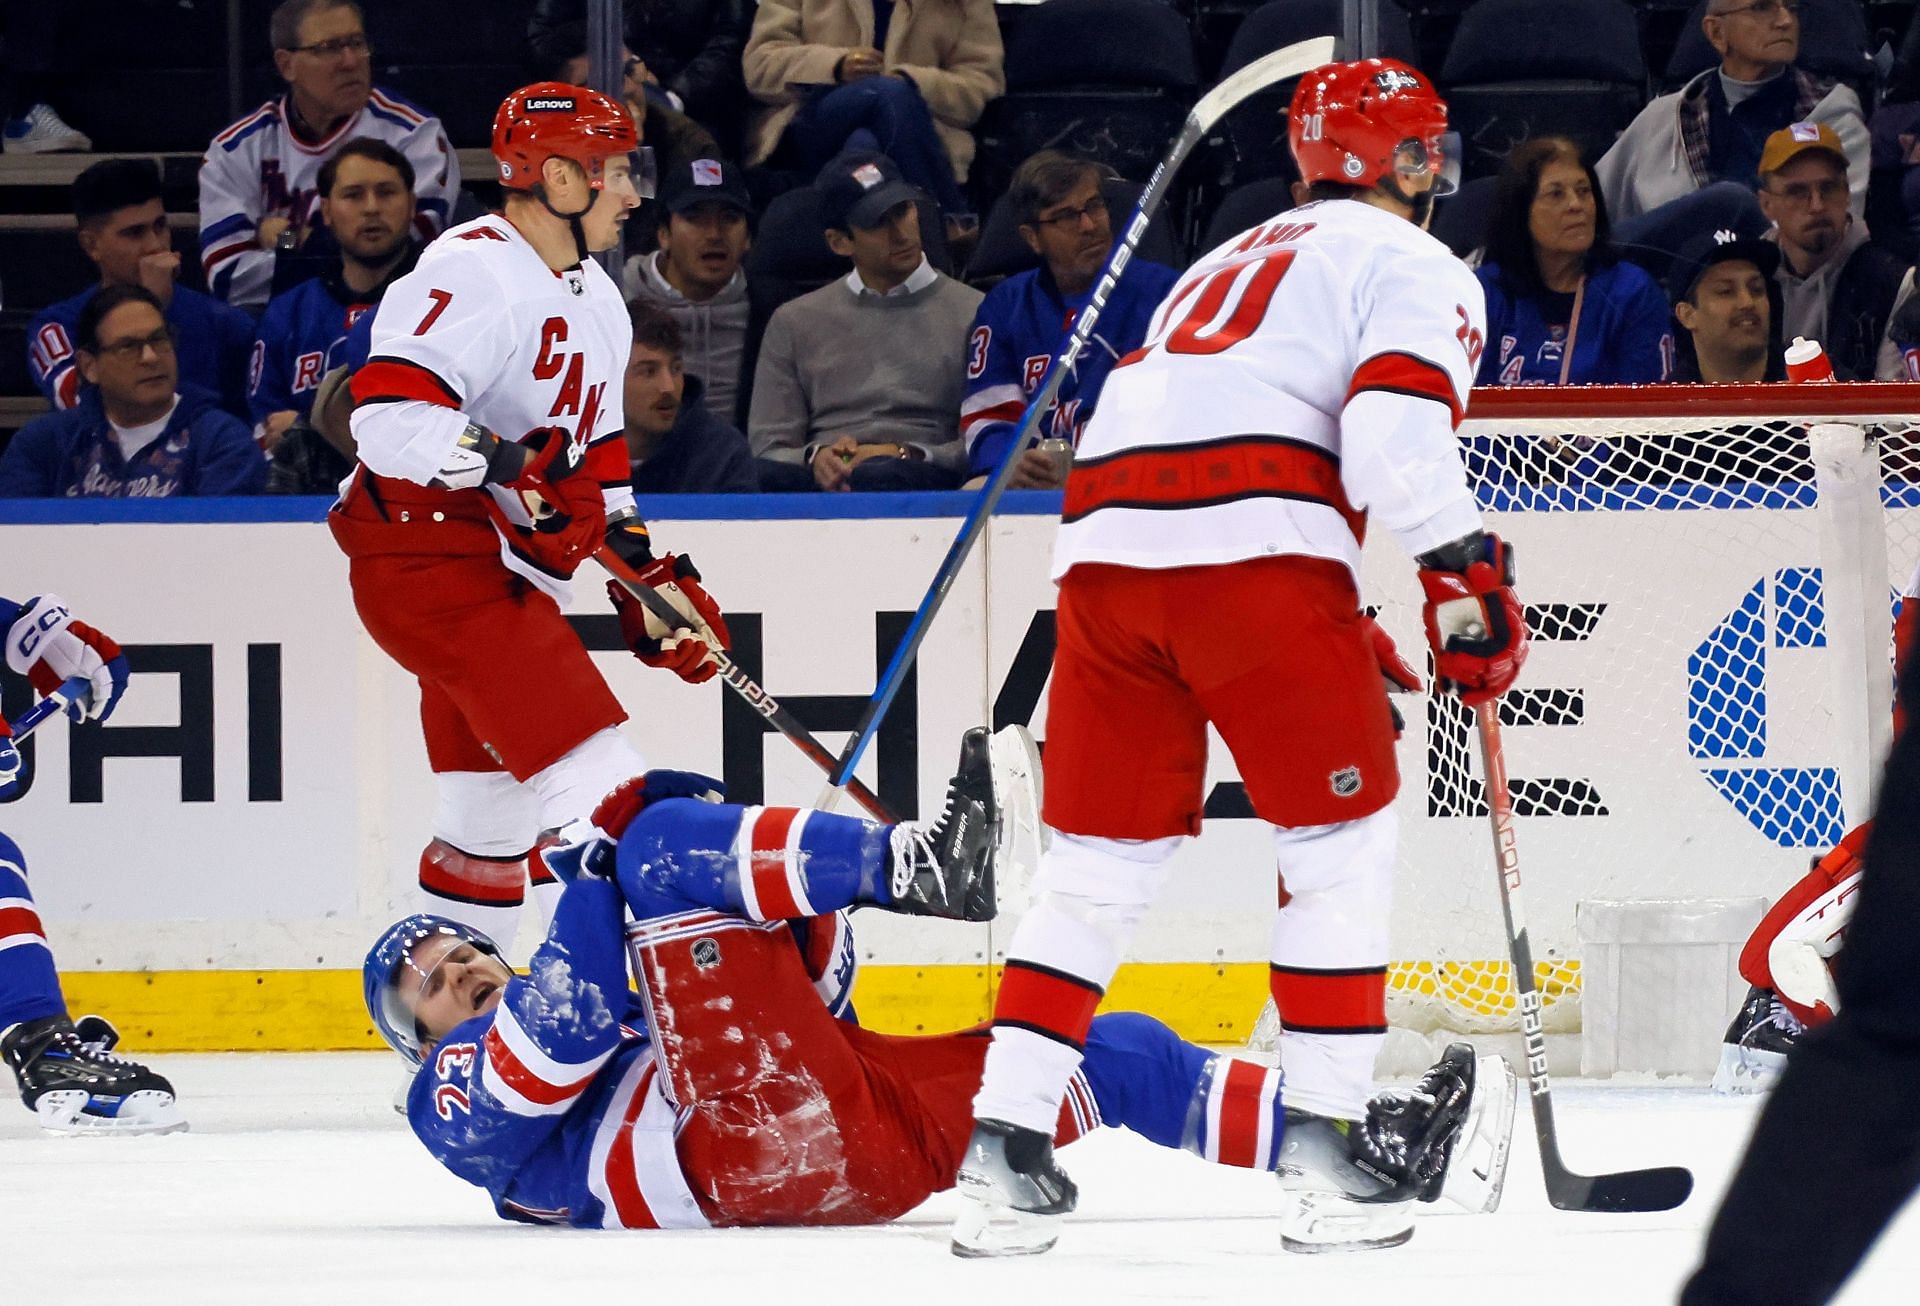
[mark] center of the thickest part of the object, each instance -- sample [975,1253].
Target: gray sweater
[878,368]
[715,331]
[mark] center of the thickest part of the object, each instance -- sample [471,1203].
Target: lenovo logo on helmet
[550,104]
[1395,79]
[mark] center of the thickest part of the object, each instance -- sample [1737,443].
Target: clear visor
[630,174]
[1437,157]
[421,974]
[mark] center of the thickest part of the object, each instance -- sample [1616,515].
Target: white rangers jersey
[483,330]
[1302,376]
[257,168]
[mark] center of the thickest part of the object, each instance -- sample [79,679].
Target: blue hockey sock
[1150,1080]
[764,863]
[29,985]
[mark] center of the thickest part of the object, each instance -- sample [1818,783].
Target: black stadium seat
[1108,79]
[1460,220]
[1519,69]
[1245,207]
[1256,131]
[1833,43]
[1001,252]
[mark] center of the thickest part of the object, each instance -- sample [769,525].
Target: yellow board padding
[322,1010]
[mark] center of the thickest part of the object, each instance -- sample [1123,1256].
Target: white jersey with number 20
[1300,379]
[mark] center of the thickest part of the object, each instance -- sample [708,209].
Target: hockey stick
[743,684]
[1658,1189]
[67,691]
[1256,76]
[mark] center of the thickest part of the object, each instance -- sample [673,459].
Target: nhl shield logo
[706,953]
[1345,782]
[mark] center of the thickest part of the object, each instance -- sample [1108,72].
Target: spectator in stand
[123,229]
[1895,129]
[1723,291]
[696,277]
[1023,321]
[257,183]
[1714,127]
[1905,332]
[366,200]
[1835,287]
[30,45]
[689,50]
[674,444]
[674,138]
[908,81]
[858,383]
[1562,307]
[136,432]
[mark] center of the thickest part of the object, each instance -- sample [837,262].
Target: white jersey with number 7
[1301,378]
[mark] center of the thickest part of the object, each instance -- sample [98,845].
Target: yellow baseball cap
[1795,139]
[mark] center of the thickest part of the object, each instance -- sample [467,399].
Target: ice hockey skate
[1755,1049]
[70,1078]
[1350,1185]
[946,869]
[1015,1193]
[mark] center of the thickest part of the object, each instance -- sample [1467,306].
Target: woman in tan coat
[905,77]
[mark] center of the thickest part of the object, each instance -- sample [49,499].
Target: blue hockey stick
[68,691]
[1256,76]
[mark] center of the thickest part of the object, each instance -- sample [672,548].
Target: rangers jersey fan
[1319,363]
[258,168]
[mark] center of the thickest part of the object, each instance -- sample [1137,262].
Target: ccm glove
[685,649]
[1474,621]
[47,645]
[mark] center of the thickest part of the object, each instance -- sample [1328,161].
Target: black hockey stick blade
[1659,1189]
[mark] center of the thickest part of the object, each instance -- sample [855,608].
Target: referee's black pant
[1837,1148]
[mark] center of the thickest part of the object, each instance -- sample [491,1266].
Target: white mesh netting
[1697,717]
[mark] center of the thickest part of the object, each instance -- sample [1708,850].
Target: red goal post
[1709,572]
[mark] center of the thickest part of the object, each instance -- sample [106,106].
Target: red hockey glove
[1400,676]
[688,650]
[49,646]
[617,810]
[568,511]
[1475,624]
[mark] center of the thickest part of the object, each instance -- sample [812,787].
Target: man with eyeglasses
[1024,320]
[258,182]
[1715,127]
[136,432]
[1835,287]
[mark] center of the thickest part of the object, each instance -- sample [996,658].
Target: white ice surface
[298,1183]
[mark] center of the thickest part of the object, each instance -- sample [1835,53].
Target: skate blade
[985,1230]
[140,1113]
[1018,784]
[1477,1169]
[1745,1072]
[1315,1223]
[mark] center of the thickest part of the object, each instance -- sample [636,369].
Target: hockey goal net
[1709,573]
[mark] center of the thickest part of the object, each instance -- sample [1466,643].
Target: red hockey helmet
[1361,123]
[552,119]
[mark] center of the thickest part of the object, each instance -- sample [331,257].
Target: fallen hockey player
[734,1087]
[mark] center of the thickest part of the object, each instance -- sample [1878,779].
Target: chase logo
[550,104]
[1746,659]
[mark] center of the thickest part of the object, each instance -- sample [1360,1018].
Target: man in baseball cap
[1720,287]
[1835,287]
[696,275]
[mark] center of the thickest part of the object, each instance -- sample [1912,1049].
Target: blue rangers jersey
[1625,333]
[302,336]
[211,340]
[554,1103]
[1018,329]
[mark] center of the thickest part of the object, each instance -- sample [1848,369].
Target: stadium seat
[1460,220]
[1001,252]
[1244,207]
[1833,43]
[1109,79]
[1256,131]
[1519,69]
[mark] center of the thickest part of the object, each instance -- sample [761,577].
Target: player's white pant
[1329,956]
[486,824]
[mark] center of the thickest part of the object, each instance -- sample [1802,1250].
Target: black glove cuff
[1456,555]
[505,459]
[628,537]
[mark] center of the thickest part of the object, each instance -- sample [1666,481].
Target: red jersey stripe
[1210,472]
[523,1080]
[1050,1003]
[623,1179]
[1407,375]
[1240,1113]
[396,378]
[17,921]
[770,885]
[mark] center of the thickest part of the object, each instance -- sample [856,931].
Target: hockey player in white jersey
[491,466]
[1300,380]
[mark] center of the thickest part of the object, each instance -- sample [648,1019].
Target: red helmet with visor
[1372,121]
[555,120]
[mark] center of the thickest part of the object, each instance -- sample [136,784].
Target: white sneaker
[41,131]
